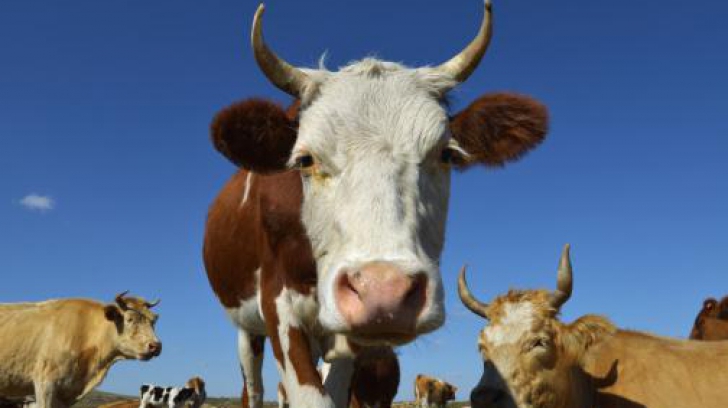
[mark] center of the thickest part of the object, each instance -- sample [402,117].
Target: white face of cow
[374,150]
[373,143]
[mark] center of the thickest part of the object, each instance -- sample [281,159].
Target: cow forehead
[372,105]
[516,319]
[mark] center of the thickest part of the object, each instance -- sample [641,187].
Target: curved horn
[119,299]
[282,74]
[462,65]
[152,304]
[564,282]
[473,304]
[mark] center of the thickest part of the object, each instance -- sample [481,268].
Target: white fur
[376,130]
[248,184]
[293,308]
[252,367]
[517,321]
[248,315]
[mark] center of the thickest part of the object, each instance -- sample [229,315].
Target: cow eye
[451,157]
[305,161]
[447,155]
[539,343]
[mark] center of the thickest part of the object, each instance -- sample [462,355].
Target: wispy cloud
[37,202]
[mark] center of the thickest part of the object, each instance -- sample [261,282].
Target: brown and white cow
[59,350]
[711,323]
[329,237]
[433,392]
[531,359]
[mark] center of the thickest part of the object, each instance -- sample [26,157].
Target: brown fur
[708,323]
[376,378]
[254,134]
[589,363]
[712,328]
[499,128]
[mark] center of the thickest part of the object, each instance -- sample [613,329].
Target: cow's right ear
[113,313]
[254,134]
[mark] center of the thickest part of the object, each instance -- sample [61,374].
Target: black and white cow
[192,395]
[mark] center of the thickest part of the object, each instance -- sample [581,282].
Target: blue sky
[105,107]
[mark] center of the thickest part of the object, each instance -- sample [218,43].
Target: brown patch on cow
[300,357]
[254,134]
[376,378]
[232,242]
[499,128]
[238,239]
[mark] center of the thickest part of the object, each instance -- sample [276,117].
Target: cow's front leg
[250,353]
[45,395]
[285,319]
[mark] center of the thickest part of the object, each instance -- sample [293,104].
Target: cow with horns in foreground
[59,350]
[328,239]
[531,359]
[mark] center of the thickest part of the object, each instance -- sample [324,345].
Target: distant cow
[711,323]
[329,237]
[433,392]
[191,395]
[531,359]
[59,350]
[374,382]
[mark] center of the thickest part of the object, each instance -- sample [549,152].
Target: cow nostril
[348,282]
[417,290]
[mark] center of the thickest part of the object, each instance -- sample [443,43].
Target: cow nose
[485,397]
[155,348]
[378,298]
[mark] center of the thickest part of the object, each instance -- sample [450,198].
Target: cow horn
[462,65]
[282,74]
[473,304]
[564,282]
[152,304]
[119,299]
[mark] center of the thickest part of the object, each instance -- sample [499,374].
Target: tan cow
[534,360]
[433,392]
[59,350]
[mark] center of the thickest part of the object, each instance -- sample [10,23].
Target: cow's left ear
[499,128]
[113,313]
[586,332]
